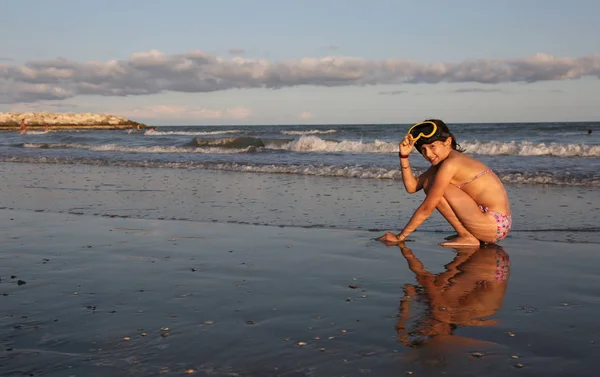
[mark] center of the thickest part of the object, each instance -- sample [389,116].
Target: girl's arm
[411,184]
[441,181]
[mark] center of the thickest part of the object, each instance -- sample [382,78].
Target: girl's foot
[461,241]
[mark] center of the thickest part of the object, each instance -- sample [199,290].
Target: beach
[299,189]
[127,271]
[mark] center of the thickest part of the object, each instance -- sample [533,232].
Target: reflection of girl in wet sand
[469,291]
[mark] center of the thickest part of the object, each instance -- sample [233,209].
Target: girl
[465,191]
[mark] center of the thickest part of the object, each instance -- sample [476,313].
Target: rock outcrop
[89,121]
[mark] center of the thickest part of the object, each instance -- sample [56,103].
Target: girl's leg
[461,232]
[481,225]
[464,215]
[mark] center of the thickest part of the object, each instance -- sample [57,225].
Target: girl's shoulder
[460,164]
[455,160]
[462,159]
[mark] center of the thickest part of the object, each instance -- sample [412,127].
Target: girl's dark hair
[441,135]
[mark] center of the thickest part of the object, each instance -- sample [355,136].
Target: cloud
[42,107]
[153,72]
[182,112]
[305,115]
[4,59]
[393,92]
[236,51]
[476,90]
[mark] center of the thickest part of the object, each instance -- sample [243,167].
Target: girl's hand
[390,239]
[406,145]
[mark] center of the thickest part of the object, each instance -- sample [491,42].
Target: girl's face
[437,151]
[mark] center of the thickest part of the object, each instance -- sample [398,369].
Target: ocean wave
[349,171]
[526,148]
[141,149]
[192,133]
[229,142]
[487,148]
[553,179]
[316,144]
[309,132]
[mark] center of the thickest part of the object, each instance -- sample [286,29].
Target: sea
[564,154]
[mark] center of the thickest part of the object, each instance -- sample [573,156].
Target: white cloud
[477,90]
[42,107]
[305,115]
[196,71]
[393,92]
[182,112]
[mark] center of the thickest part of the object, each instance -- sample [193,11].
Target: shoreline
[274,199]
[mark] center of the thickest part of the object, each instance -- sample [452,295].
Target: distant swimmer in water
[46,127]
[464,190]
[23,127]
[589,132]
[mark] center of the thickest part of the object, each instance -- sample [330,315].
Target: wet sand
[129,297]
[86,295]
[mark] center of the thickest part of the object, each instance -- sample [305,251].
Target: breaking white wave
[488,148]
[338,171]
[140,149]
[526,148]
[316,144]
[193,133]
[309,132]
[550,179]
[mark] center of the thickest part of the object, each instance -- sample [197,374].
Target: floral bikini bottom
[503,223]
[502,265]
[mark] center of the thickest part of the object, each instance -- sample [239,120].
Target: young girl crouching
[464,190]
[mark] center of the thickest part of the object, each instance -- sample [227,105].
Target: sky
[196,62]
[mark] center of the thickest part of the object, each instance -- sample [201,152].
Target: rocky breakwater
[86,121]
